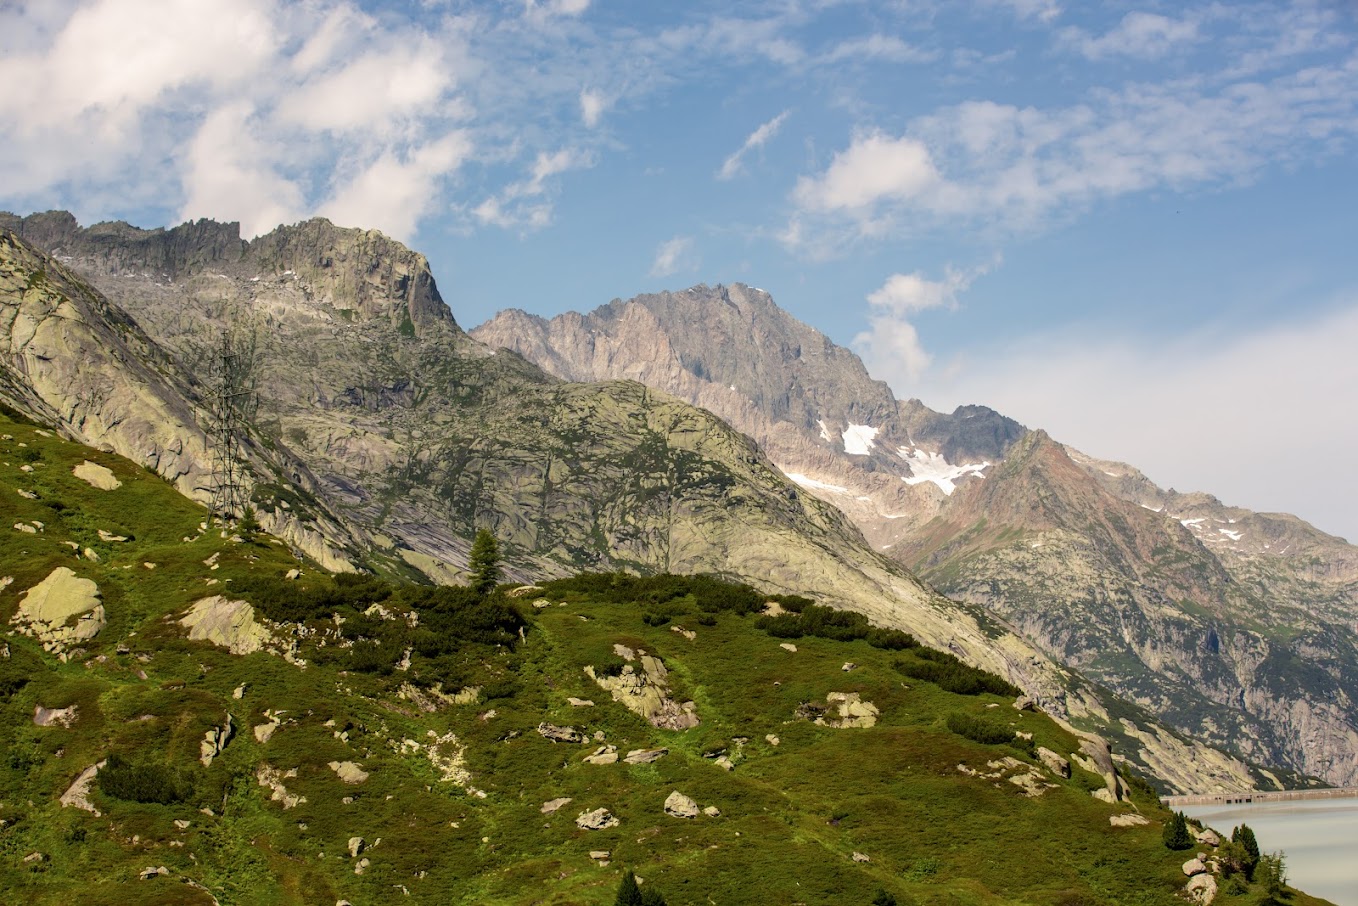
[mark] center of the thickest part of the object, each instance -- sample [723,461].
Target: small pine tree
[485,563]
[650,897]
[629,894]
[1176,832]
[1244,836]
[1272,872]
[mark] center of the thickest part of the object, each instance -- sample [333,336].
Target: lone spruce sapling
[1176,832]
[484,563]
[1243,834]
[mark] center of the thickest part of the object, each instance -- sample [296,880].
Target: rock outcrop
[229,624]
[61,611]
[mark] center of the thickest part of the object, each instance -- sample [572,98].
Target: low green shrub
[142,781]
[979,729]
[950,674]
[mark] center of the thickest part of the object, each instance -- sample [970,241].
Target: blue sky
[1129,223]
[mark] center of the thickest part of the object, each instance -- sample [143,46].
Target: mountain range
[386,436]
[1234,627]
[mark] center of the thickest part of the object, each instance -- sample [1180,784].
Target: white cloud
[229,175]
[592,107]
[875,167]
[393,193]
[521,204]
[671,255]
[1041,10]
[1257,418]
[756,139]
[891,346]
[1017,167]
[878,47]
[1139,34]
[372,91]
[536,10]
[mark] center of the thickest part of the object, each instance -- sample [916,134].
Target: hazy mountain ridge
[1235,626]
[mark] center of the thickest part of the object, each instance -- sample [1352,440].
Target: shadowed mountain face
[1237,627]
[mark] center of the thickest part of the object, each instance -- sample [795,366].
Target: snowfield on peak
[926,466]
[858,439]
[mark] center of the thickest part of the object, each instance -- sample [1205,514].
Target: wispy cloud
[1139,34]
[592,107]
[891,346]
[877,48]
[1017,167]
[671,256]
[733,165]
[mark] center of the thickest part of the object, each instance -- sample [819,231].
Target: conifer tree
[1176,832]
[629,894]
[1244,835]
[484,563]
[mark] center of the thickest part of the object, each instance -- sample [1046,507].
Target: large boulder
[598,819]
[61,611]
[561,734]
[230,624]
[1201,889]
[680,806]
[1053,762]
[97,476]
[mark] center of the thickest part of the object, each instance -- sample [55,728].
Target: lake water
[1319,837]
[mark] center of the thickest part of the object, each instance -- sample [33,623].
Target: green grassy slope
[466,825]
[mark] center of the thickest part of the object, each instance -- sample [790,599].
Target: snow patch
[1189,523]
[927,466]
[1153,509]
[1234,536]
[858,439]
[805,482]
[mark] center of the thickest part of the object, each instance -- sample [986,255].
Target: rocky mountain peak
[362,272]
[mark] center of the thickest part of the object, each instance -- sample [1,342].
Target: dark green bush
[950,674]
[1175,833]
[142,781]
[655,619]
[611,666]
[979,729]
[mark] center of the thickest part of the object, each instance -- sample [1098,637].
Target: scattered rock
[273,779]
[356,846]
[552,805]
[849,667]
[726,764]
[229,624]
[292,575]
[215,740]
[524,591]
[36,857]
[110,538]
[61,610]
[580,703]
[852,711]
[1194,866]
[772,740]
[598,819]
[1202,889]
[686,633]
[239,692]
[600,855]
[712,811]
[1128,820]
[90,555]
[27,495]
[603,755]
[97,476]
[645,756]
[646,692]
[561,734]
[1025,703]
[264,732]
[77,795]
[859,857]
[680,806]
[348,771]
[788,646]
[1053,762]
[149,873]
[55,717]
[362,865]
[24,527]
[182,824]
[1206,836]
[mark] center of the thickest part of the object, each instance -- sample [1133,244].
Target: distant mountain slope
[327,745]
[1236,627]
[417,434]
